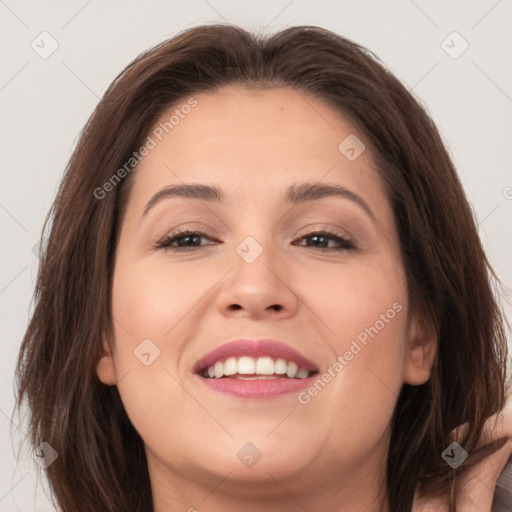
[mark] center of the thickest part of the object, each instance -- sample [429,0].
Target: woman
[264,289]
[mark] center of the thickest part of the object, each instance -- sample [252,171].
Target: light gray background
[45,103]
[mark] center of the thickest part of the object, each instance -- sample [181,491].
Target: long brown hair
[101,463]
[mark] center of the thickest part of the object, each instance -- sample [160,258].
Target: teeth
[246,366]
[257,368]
[280,366]
[292,369]
[230,366]
[302,373]
[219,369]
[265,366]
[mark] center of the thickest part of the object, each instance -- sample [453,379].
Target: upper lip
[254,348]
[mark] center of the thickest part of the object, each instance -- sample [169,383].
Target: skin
[330,453]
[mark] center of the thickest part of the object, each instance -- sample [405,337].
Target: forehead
[253,143]
[234,113]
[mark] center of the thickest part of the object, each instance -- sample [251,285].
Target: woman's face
[262,270]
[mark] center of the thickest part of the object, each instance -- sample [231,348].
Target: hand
[475,488]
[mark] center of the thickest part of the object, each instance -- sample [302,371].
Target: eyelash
[165,243]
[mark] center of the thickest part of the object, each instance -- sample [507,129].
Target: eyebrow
[296,194]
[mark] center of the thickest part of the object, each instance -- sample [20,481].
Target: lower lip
[260,388]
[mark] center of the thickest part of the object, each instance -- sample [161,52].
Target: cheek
[147,304]
[366,314]
[150,301]
[156,310]
[363,304]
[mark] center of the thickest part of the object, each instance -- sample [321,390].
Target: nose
[258,288]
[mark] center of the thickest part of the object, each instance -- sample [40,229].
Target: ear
[421,351]
[105,368]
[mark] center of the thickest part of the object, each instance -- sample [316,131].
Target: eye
[187,240]
[184,238]
[320,238]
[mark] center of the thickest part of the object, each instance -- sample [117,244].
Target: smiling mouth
[252,368]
